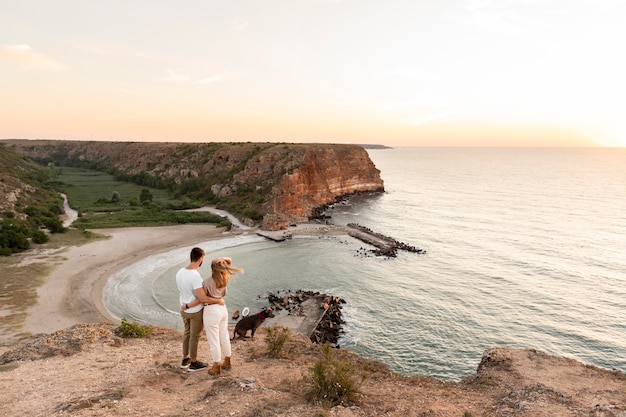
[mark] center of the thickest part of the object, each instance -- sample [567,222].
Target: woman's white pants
[215,319]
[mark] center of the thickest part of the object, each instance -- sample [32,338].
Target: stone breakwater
[321,313]
[385,245]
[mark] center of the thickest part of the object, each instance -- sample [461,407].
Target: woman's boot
[215,369]
[226,364]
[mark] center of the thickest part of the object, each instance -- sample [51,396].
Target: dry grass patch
[22,273]
[73,237]
[18,290]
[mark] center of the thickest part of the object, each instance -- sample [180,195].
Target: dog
[252,323]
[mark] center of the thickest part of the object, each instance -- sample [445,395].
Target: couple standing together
[203,308]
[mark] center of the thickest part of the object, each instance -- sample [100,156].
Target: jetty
[385,245]
[313,314]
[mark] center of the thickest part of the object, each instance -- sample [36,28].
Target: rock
[328,328]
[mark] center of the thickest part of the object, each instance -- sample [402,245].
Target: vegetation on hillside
[30,207]
[31,204]
[217,185]
[102,201]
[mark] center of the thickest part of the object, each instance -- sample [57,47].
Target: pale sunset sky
[398,73]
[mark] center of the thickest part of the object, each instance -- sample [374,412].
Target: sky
[396,73]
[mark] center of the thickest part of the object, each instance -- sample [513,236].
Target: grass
[89,190]
[8,367]
[73,237]
[147,217]
[18,290]
[20,276]
[275,340]
[91,193]
[133,330]
[333,379]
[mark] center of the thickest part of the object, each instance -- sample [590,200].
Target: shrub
[145,196]
[39,236]
[126,329]
[54,224]
[14,235]
[333,379]
[275,340]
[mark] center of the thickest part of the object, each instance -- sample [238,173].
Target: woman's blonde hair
[221,270]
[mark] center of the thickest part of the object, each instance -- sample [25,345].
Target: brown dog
[252,323]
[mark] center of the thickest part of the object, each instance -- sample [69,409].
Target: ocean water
[526,248]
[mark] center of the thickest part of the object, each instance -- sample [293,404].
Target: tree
[145,196]
[115,198]
[52,171]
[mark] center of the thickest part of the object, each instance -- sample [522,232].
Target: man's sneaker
[197,366]
[185,363]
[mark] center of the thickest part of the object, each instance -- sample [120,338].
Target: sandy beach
[72,293]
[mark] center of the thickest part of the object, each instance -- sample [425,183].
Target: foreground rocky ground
[87,370]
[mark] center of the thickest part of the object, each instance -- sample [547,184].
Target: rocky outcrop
[322,314]
[325,173]
[276,182]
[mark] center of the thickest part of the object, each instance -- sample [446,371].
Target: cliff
[88,370]
[277,182]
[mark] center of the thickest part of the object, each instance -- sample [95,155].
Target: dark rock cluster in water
[329,329]
[329,326]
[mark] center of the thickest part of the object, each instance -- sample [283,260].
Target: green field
[89,190]
[104,202]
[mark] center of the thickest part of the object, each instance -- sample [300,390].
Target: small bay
[526,248]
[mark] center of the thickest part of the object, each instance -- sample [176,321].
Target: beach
[72,292]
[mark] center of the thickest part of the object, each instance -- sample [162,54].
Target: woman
[215,316]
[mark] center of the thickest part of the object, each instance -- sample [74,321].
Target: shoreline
[72,291]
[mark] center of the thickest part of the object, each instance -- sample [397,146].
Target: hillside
[277,183]
[29,206]
[21,183]
[88,370]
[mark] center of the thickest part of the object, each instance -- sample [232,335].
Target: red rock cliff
[325,173]
[280,183]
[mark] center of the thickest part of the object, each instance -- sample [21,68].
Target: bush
[333,379]
[133,330]
[39,236]
[275,340]
[145,196]
[14,235]
[54,224]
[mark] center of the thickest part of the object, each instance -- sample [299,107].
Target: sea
[525,249]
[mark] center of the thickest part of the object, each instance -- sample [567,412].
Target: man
[192,298]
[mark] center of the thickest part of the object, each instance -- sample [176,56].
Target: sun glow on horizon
[447,73]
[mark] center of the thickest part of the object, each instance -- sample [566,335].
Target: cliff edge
[88,370]
[276,184]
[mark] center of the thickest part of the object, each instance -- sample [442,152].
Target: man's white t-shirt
[187,281]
